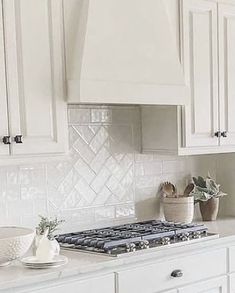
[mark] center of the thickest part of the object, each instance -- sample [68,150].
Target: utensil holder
[180,209]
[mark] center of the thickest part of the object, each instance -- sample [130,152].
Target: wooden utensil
[169,189]
[189,188]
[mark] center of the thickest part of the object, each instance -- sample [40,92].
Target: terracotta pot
[209,209]
[179,209]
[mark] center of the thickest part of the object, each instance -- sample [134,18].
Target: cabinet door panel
[4,149]
[218,285]
[227,72]
[199,56]
[35,75]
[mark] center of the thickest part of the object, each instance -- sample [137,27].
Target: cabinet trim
[4,149]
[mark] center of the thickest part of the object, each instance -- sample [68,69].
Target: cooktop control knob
[196,235]
[165,240]
[130,247]
[144,244]
[184,237]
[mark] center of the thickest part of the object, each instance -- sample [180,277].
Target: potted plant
[207,193]
[46,245]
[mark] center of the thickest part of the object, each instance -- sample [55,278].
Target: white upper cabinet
[199,57]
[34,70]
[227,72]
[4,148]
[122,51]
[207,124]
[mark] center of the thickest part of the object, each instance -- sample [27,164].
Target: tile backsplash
[105,178]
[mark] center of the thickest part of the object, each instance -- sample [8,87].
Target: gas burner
[132,237]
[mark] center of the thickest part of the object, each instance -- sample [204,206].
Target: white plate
[43,266]
[34,263]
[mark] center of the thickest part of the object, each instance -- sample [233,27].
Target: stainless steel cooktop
[132,237]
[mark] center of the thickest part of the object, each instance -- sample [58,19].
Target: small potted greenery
[52,225]
[46,246]
[207,193]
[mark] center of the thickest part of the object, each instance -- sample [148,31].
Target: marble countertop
[80,264]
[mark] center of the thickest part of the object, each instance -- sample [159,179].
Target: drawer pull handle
[218,133]
[18,139]
[6,139]
[177,274]
[224,133]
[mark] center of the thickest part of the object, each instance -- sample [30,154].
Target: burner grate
[131,237]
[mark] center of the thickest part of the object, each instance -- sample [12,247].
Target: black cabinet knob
[18,139]
[224,133]
[177,274]
[218,134]
[6,139]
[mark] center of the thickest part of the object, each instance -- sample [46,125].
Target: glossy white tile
[104,178]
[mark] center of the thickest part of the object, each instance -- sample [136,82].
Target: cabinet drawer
[157,277]
[102,284]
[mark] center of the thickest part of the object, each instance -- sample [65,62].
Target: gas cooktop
[126,238]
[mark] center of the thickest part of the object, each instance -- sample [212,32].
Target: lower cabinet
[102,284]
[218,285]
[208,271]
[232,283]
[174,273]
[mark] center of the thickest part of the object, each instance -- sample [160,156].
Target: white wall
[105,178]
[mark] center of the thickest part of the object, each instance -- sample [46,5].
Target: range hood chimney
[122,51]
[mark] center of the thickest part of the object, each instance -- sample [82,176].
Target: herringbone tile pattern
[100,172]
[105,177]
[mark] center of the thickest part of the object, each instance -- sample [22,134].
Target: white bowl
[14,243]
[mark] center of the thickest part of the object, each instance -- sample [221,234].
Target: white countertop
[81,264]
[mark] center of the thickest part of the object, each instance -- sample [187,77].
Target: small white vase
[46,249]
[56,246]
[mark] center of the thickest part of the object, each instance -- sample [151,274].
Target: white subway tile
[101,115]
[100,179]
[98,139]
[153,168]
[79,115]
[174,166]
[103,177]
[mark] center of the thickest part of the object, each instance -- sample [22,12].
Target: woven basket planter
[180,209]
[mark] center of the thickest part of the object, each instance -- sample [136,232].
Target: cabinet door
[232,283]
[218,285]
[34,55]
[199,57]
[4,149]
[227,72]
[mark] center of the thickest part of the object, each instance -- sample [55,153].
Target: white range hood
[122,51]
